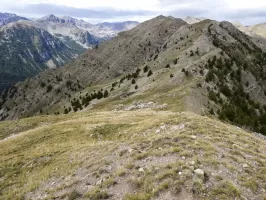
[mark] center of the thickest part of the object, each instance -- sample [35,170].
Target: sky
[247,12]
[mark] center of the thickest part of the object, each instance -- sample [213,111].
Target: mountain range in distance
[28,47]
[84,33]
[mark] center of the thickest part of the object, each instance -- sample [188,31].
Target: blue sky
[246,11]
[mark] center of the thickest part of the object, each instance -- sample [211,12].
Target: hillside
[111,59]
[166,110]
[142,154]
[207,67]
[27,50]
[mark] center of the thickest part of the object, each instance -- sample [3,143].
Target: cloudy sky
[246,11]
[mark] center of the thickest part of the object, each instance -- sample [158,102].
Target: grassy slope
[93,155]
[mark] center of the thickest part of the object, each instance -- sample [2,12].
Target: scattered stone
[163,127]
[99,182]
[179,173]
[199,172]
[193,137]
[178,127]
[245,165]
[160,148]
[141,169]
[130,150]
[183,157]
[158,131]
[192,162]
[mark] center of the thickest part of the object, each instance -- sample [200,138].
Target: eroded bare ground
[130,155]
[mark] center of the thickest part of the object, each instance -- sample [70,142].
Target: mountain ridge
[165,110]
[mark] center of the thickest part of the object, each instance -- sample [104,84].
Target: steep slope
[111,59]
[26,51]
[6,18]
[207,67]
[141,154]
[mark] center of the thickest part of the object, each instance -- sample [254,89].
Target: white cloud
[246,4]
[245,11]
[116,4]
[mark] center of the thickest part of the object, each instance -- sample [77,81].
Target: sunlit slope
[142,154]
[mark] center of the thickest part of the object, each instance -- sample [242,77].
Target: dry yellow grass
[56,156]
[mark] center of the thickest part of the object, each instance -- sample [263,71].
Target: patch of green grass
[136,182]
[163,186]
[108,131]
[97,194]
[121,172]
[74,195]
[138,196]
[225,190]
[252,184]
[109,182]
[166,174]
[129,165]
[177,186]
[141,156]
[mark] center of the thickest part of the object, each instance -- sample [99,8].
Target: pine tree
[105,94]
[149,73]
[146,68]
[99,95]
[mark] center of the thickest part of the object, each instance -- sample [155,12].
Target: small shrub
[74,195]
[43,84]
[167,66]
[49,88]
[105,94]
[146,68]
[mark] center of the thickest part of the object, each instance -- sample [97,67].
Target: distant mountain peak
[51,18]
[193,20]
